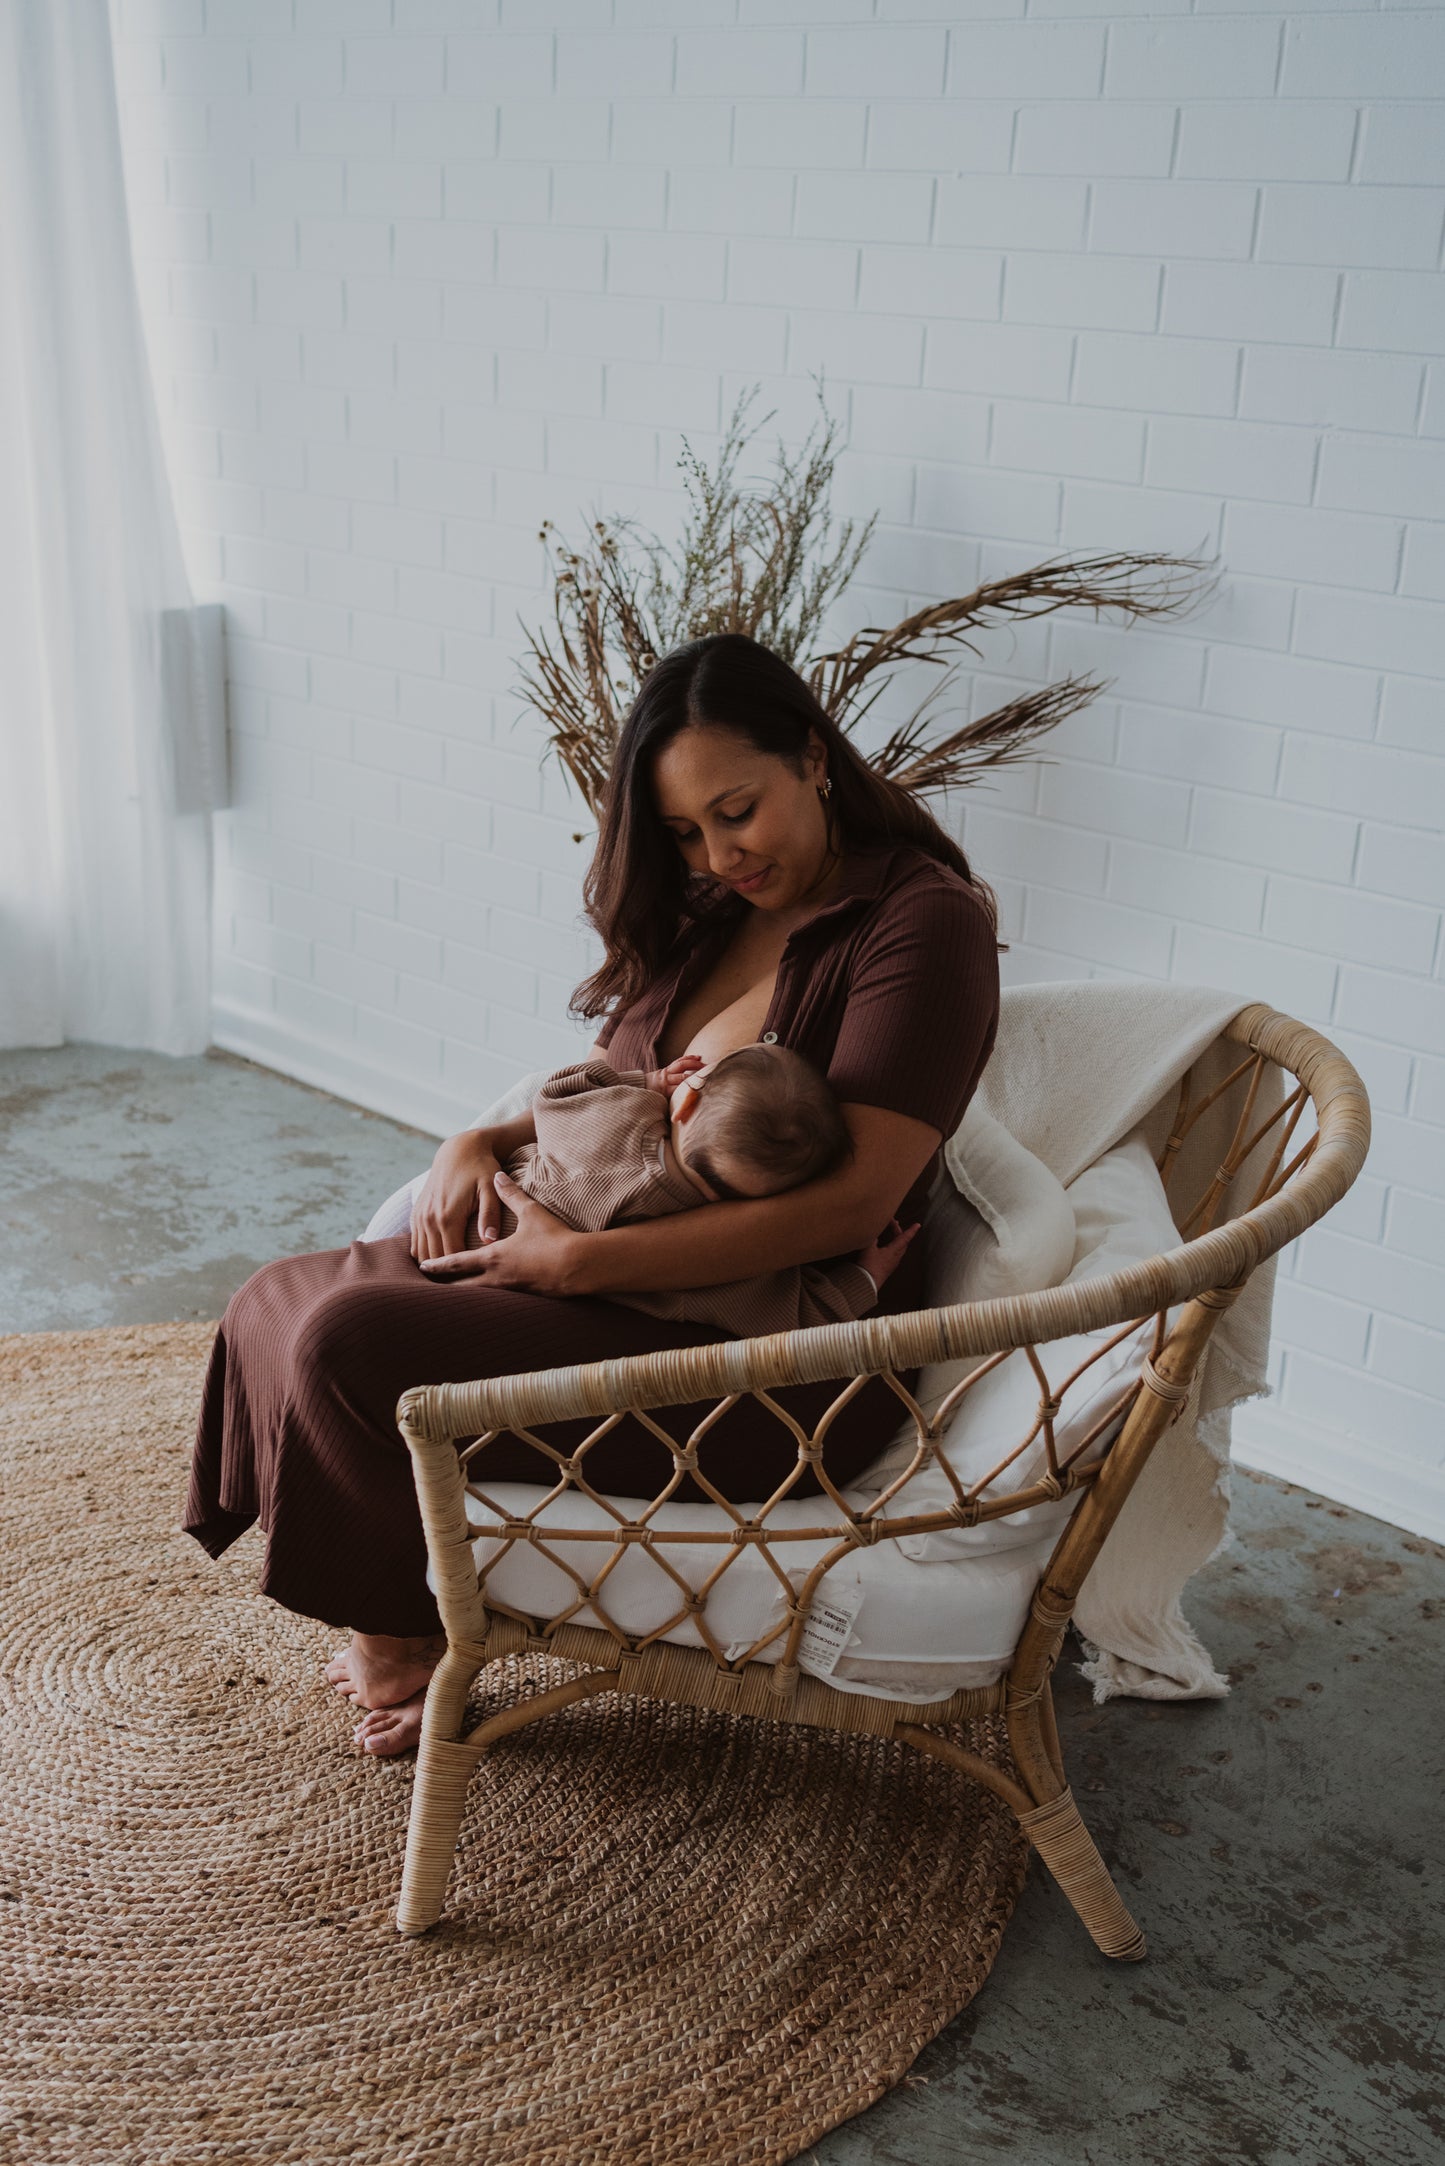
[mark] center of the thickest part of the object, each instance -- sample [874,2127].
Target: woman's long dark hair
[639,893]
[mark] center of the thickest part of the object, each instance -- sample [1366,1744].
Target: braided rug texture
[671,1934]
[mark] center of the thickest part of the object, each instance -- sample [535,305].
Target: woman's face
[744,816]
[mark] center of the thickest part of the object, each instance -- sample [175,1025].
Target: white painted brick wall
[419,273]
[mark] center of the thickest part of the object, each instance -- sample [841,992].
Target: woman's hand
[459,1188]
[882,1257]
[537,1259]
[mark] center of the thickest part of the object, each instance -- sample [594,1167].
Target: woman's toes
[390,1730]
[381,1736]
[338,1671]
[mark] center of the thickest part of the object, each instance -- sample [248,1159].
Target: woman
[753,878]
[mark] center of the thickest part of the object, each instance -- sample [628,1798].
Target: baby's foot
[390,1730]
[377,1673]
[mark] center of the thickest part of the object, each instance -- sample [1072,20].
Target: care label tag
[829,1627]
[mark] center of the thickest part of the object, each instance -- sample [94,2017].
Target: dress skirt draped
[298,1419]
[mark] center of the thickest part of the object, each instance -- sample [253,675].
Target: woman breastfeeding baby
[602,1149]
[799,988]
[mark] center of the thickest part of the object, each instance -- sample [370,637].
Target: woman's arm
[460,1187]
[832,1216]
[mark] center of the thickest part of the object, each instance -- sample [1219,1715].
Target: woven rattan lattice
[1302,1156]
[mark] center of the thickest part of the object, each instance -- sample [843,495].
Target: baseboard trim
[1345,1469]
[360,1082]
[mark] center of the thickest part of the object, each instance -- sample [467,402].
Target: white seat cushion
[917,1633]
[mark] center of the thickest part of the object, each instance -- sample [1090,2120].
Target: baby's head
[756,1122]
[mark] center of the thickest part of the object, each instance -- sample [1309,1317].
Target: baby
[612,1148]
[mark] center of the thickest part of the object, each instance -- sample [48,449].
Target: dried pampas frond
[1140,585]
[999,739]
[762,563]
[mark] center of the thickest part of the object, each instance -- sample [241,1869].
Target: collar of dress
[868,872]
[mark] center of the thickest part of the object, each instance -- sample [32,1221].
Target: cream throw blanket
[1076,1066]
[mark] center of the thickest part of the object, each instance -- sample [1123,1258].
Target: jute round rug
[670,1935]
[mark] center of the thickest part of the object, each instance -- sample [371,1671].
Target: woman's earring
[825,787]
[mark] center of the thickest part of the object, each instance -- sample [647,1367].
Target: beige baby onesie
[603,1157]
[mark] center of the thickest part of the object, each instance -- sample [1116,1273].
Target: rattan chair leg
[443,1769]
[1060,1838]
[1049,1731]
[1057,1832]
[446,1695]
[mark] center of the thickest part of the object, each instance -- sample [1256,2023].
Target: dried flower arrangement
[749,562]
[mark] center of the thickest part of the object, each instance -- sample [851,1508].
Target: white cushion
[1122,1215]
[917,1634]
[394,1216]
[1002,1224]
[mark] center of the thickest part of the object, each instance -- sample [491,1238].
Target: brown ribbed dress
[891,989]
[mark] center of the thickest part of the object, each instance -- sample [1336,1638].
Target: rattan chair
[1198,1279]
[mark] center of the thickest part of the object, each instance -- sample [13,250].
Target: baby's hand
[667,1079]
[882,1257]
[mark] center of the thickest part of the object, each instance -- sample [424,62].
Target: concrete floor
[136,1189]
[1282,1848]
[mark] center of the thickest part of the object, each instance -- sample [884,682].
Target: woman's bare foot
[379,1672]
[389,1730]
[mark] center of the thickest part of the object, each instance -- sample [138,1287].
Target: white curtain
[104,879]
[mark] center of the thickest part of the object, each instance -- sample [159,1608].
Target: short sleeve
[921,1008]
